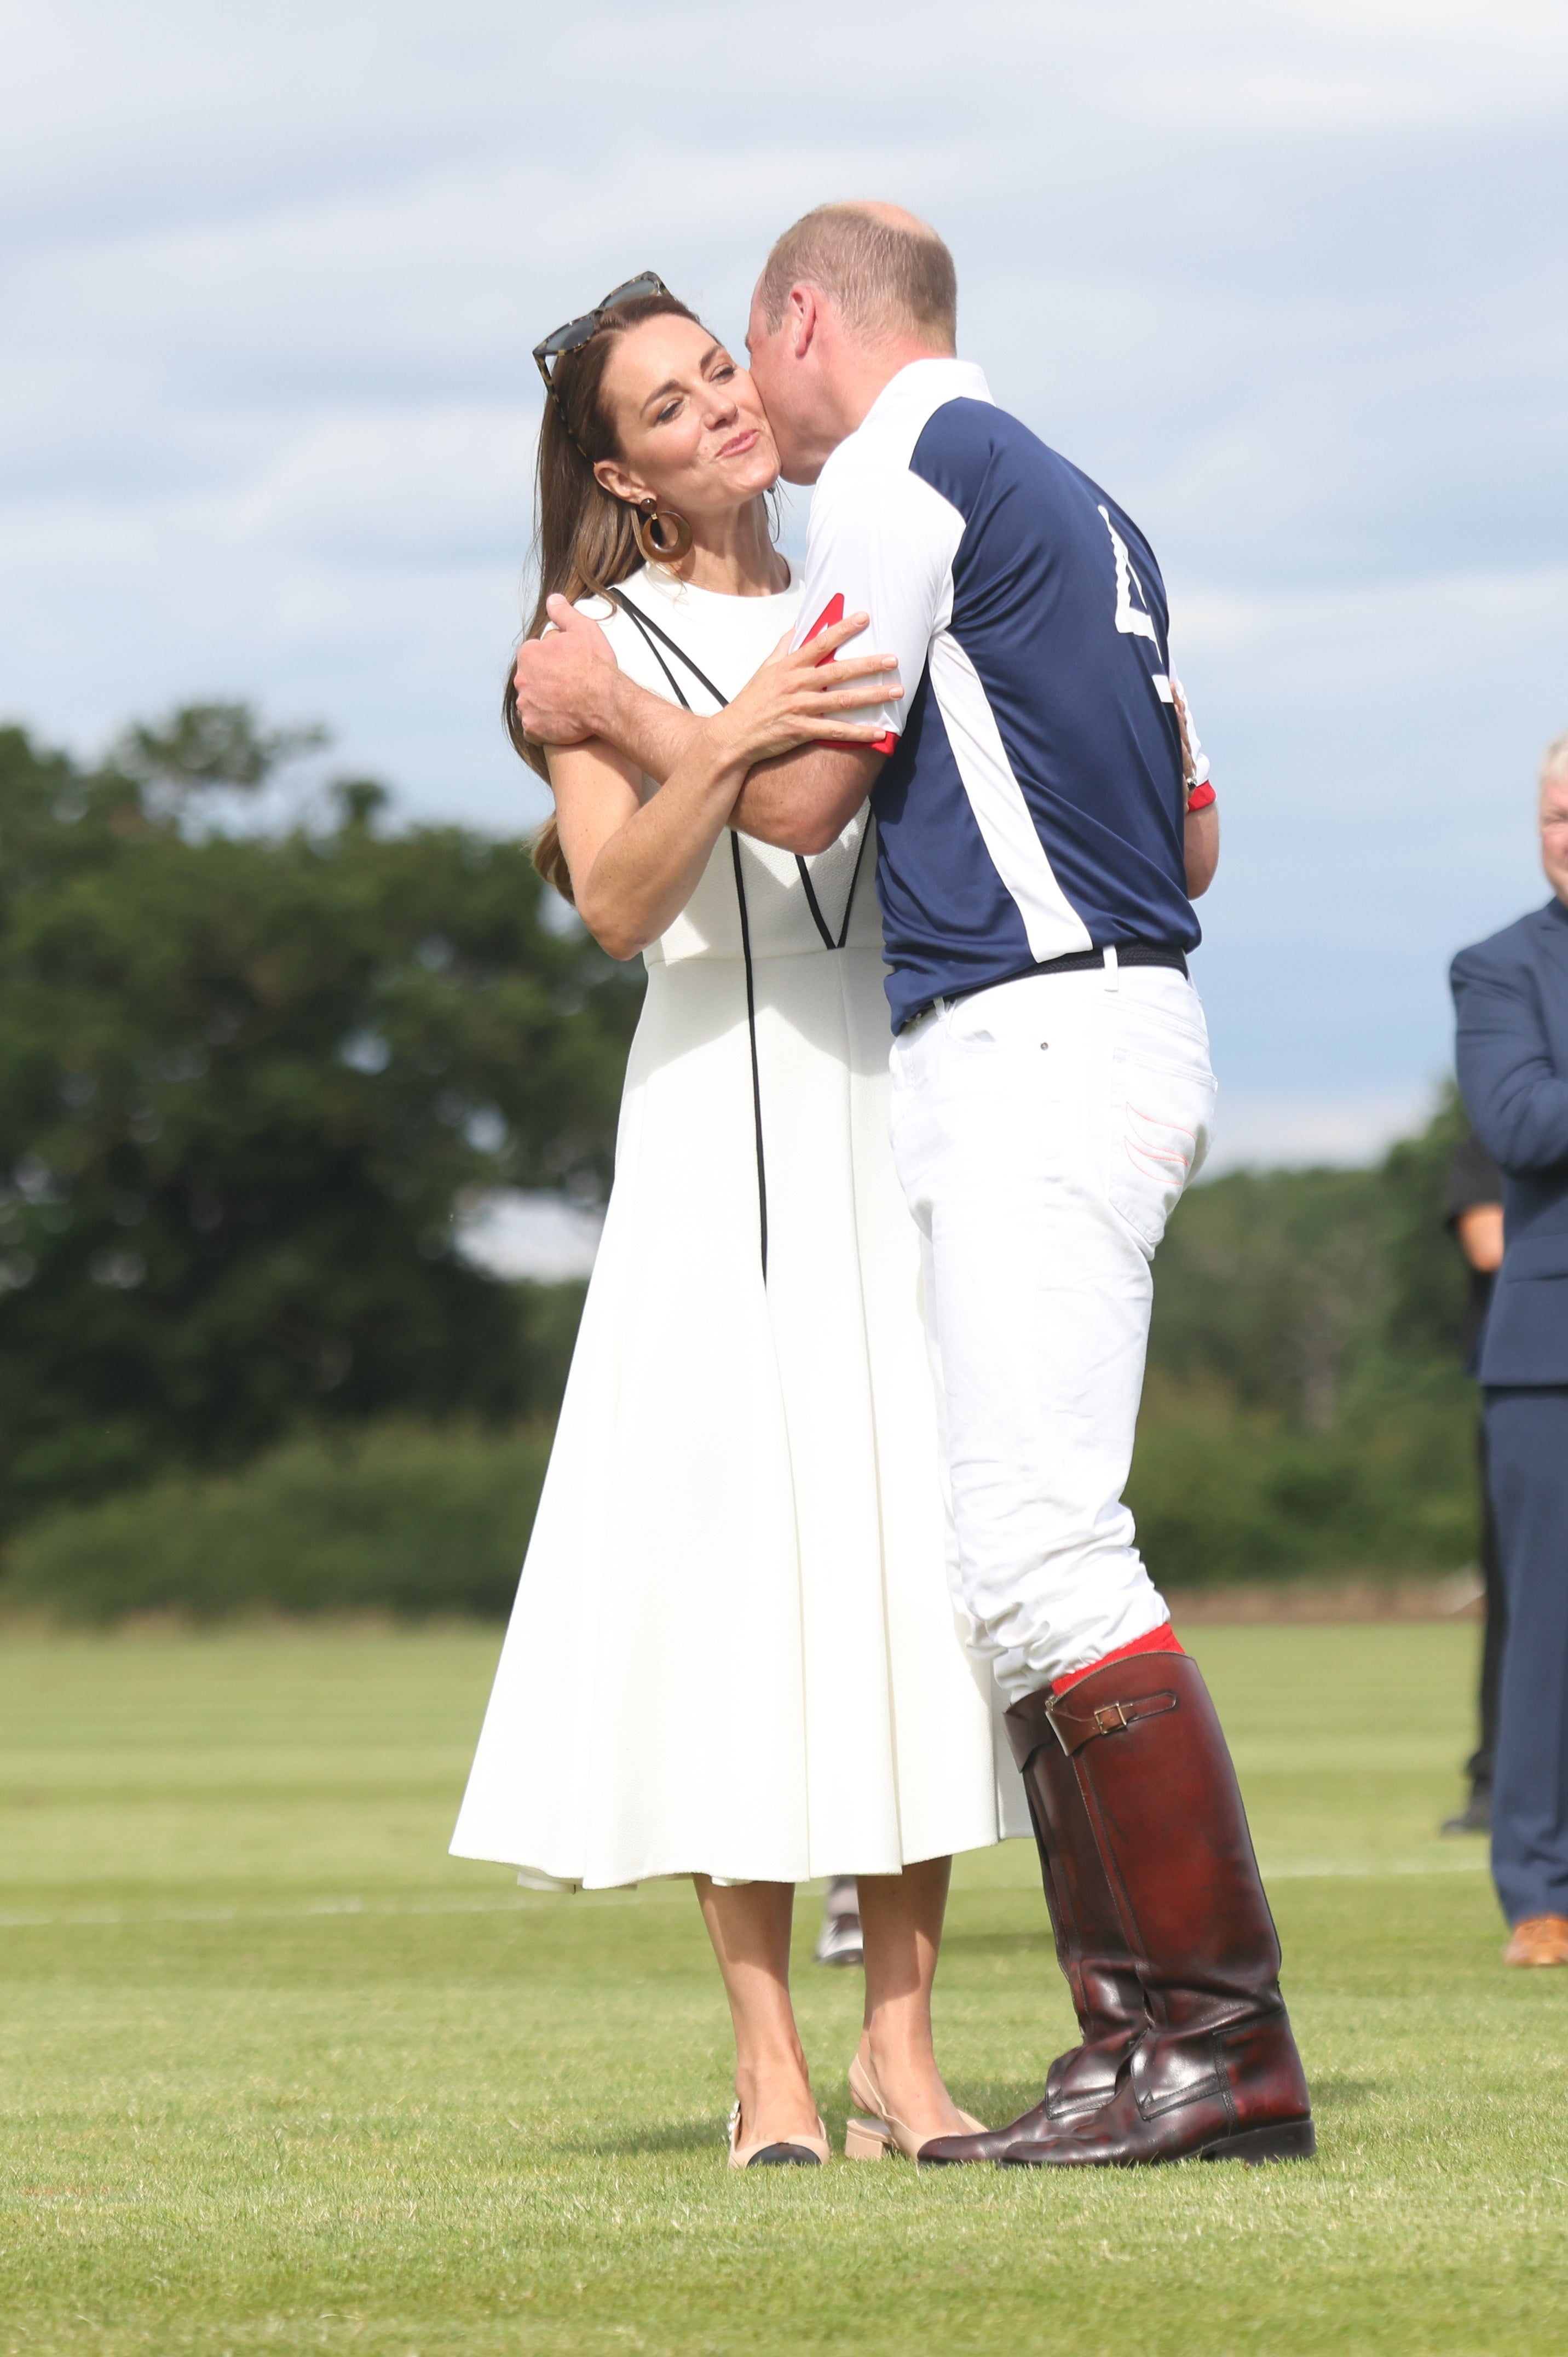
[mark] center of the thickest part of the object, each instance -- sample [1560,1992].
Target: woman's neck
[733,555]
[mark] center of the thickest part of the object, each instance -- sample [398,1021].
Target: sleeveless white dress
[733,1650]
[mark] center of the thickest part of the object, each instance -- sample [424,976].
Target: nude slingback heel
[878,2137]
[800,2152]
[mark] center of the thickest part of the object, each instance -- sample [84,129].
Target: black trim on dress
[651,632]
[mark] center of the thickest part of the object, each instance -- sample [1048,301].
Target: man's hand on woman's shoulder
[563,681]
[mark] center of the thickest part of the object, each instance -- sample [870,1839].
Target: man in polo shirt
[1043,820]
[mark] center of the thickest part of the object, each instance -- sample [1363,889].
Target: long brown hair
[585,538]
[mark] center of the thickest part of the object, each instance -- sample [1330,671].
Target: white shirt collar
[926,385]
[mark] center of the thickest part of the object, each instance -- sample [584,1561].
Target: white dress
[733,1650]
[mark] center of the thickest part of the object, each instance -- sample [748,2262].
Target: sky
[1289,282]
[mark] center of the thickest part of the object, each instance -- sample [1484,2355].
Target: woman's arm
[569,689]
[635,864]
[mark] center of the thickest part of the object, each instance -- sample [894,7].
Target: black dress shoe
[1476,1817]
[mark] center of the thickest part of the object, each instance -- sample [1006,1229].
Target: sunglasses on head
[577,332]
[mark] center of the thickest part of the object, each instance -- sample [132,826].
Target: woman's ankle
[774,2082]
[893,2044]
[907,2065]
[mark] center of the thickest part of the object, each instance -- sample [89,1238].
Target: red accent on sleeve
[1162,1640]
[1200,796]
[833,612]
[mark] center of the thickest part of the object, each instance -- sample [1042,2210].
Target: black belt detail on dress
[651,632]
[1076,961]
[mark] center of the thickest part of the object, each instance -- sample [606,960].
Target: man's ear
[802,316]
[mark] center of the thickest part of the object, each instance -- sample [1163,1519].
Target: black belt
[1076,961]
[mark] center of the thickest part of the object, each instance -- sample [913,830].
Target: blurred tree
[209,745]
[1270,1285]
[1306,1410]
[245,1082]
[1426,1282]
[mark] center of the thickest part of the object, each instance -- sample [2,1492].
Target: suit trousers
[1043,1130]
[1481,1766]
[1527,1438]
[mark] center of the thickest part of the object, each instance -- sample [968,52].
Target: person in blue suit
[1510,996]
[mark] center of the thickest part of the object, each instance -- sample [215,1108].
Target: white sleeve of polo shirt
[881,542]
[1199,757]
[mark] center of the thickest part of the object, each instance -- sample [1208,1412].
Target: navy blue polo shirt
[1033,797]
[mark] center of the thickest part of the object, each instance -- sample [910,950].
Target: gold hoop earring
[653,522]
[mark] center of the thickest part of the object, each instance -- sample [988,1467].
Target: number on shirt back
[1134,621]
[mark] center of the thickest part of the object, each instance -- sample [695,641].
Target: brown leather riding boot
[1090,1949]
[1216,2073]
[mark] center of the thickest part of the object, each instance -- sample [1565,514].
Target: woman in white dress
[732,1654]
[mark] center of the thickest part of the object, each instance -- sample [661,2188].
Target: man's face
[1555,834]
[782,380]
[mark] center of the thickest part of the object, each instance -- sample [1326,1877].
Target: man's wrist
[606,709]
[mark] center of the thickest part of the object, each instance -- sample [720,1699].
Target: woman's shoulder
[599,608]
[664,618]
[627,642]
[707,618]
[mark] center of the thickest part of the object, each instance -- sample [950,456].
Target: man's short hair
[884,278]
[1554,761]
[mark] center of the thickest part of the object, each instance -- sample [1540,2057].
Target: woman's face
[690,424]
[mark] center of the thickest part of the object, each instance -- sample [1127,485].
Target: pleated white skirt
[733,1649]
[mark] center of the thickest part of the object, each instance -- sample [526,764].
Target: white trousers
[1043,1131]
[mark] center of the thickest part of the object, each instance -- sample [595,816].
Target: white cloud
[1290,279]
[441,485]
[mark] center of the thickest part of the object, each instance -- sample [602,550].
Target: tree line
[249,1078]
[1306,1410]
[247,1082]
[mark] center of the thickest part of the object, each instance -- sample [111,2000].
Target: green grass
[280,2076]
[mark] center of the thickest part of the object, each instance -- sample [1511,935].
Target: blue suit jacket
[1510,995]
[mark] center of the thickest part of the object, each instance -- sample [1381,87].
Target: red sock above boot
[1162,1640]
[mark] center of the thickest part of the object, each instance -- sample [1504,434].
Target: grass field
[280,2076]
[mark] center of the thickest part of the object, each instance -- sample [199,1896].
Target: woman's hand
[799,695]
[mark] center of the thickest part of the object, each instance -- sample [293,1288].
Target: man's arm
[569,688]
[1516,1098]
[803,802]
[1200,845]
[883,543]
[1200,833]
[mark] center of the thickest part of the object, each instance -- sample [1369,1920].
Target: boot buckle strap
[1108,1718]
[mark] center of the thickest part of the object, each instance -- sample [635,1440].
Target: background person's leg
[839,1942]
[1528,1440]
[749,1927]
[1476,1817]
[1483,1766]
